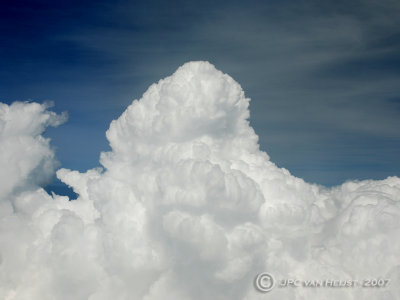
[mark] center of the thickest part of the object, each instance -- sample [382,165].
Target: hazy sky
[323,76]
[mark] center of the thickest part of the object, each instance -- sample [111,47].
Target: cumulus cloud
[186,206]
[26,157]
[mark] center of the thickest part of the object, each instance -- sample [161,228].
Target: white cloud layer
[186,207]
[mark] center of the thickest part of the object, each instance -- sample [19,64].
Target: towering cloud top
[196,101]
[186,207]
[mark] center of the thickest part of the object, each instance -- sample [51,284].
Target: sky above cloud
[323,76]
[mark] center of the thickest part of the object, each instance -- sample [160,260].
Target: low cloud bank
[186,206]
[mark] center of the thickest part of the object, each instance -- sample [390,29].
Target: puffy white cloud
[186,207]
[26,157]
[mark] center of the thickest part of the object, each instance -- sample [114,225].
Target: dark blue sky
[323,76]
